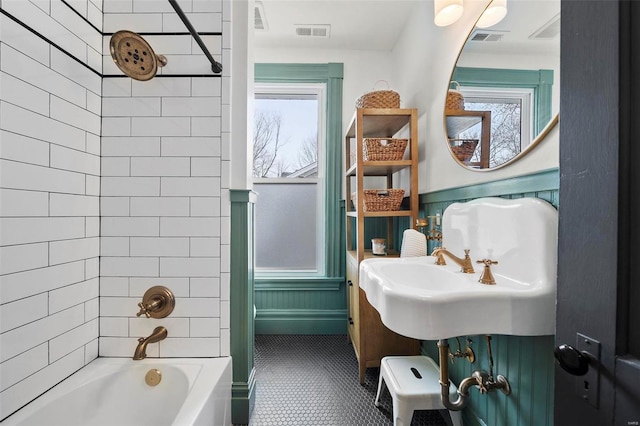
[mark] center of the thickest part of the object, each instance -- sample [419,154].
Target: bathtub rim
[210,376]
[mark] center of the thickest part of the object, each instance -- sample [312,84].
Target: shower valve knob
[144,310]
[157,302]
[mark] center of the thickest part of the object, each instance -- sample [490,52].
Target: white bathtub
[112,391]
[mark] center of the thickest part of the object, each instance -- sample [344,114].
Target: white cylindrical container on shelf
[379,246]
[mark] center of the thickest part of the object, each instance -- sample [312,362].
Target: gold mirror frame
[535,142]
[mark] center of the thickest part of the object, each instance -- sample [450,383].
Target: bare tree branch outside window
[267,143]
[505,131]
[308,151]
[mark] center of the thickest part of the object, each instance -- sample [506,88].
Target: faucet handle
[487,276]
[439,258]
[435,249]
[157,302]
[144,310]
[482,378]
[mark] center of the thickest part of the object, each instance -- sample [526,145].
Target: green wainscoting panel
[301,306]
[301,321]
[242,297]
[545,182]
[526,362]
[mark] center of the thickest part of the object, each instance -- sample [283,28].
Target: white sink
[419,299]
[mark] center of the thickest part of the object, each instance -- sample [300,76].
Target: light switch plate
[588,386]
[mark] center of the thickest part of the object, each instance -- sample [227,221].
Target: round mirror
[504,95]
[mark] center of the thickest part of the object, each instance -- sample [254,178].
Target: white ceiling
[376,24]
[355,24]
[524,18]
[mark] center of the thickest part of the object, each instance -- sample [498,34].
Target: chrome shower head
[134,56]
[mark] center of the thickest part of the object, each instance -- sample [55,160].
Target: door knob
[572,360]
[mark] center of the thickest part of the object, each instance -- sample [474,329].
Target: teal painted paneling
[301,306]
[301,321]
[526,362]
[528,365]
[543,182]
[242,297]
[376,227]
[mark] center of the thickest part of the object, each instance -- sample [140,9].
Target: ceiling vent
[259,19]
[548,31]
[322,31]
[484,35]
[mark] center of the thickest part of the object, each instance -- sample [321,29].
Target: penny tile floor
[313,381]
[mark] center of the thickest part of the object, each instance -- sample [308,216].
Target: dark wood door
[599,240]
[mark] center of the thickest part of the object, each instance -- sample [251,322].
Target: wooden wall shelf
[371,339]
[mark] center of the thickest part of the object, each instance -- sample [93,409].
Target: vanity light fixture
[494,13]
[446,12]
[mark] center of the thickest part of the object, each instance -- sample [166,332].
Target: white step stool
[414,384]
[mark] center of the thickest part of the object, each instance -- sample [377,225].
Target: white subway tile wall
[108,186]
[49,204]
[162,185]
[184,55]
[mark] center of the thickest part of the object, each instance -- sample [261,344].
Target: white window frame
[288,91]
[523,95]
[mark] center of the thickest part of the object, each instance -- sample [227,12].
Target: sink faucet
[465,263]
[159,333]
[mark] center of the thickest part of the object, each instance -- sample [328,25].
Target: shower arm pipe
[216,67]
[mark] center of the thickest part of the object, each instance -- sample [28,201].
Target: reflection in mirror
[508,77]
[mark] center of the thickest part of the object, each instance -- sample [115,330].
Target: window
[525,93]
[288,174]
[286,132]
[511,120]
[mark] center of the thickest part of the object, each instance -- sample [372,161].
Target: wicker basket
[463,149]
[384,149]
[379,98]
[380,200]
[455,99]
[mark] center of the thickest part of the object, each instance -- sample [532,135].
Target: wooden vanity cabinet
[371,339]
